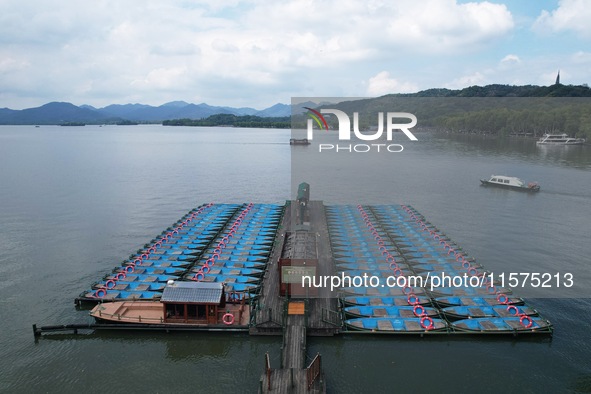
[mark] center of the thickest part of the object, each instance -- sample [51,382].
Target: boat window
[493,180]
[506,181]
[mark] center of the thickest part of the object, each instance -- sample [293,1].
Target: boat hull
[511,187]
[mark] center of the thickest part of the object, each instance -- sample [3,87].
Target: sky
[255,53]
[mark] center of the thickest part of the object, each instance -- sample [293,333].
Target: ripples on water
[76,201]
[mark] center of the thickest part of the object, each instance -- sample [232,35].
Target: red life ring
[205,269]
[501,295]
[513,307]
[491,287]
[129,269]
[120,275]
[217,250]
[228,319]
[137,261]
[420,308]
[100,293]
[393,265]
[410,300]
[474,270]
[397,272]
[524,317]
[145,256]
[430,326]
[197,278]
[215,256]
[405,288]
[110,281]
[390,259]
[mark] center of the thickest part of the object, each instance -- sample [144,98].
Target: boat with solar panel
[189,304]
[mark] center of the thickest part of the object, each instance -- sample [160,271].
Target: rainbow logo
[317,116]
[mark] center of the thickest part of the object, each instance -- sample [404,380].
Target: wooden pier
[296,316]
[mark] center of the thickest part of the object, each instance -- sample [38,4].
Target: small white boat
[510,182]
[559,139]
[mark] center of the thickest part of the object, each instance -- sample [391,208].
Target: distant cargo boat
[510,182]
[296,141]
[559,139]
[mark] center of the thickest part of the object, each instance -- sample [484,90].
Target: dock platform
[261,252]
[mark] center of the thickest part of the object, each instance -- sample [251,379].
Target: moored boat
[490,300]
[470,312]
[181,304]
[396,325]
[522,324]
[391,311]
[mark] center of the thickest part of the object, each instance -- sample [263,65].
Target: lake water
[75,201]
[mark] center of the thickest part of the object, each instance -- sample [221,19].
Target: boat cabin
[193,302]
[506,180]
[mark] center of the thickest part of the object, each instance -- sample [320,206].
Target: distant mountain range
[60,113]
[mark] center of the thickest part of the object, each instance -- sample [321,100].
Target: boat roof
[193,292]
[512,179]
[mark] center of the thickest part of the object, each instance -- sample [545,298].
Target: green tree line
[233,121]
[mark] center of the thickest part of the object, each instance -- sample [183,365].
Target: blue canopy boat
[464,291]
[468,312]
[511,325]
[390,311]
[444,302]
[385,301]
[396,325]
[380,291]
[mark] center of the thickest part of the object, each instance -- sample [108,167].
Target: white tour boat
[510,182]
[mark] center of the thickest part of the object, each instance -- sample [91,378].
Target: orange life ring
[228,319]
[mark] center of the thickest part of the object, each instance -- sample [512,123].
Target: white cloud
[574,15]
[381,84]
[510,60]
[154,51]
